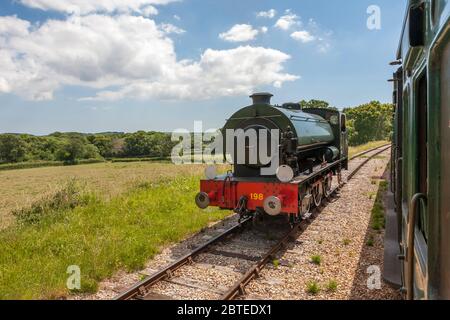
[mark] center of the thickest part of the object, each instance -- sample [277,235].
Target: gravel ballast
[351,253]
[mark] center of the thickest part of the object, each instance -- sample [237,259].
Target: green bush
[90,161]
[12,148]
[378,220]
[316,259]
[369,122]
[66,197]
[312,287]
[153,144]
[332,286]
[40,164]
[154,159]
[29,165]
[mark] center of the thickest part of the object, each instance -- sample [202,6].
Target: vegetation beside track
[21,188]
[101,237]
[378,220]
[364,147]
[41,164]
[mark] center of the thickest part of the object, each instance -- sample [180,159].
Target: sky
[128,65]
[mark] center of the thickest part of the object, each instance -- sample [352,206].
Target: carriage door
[421,177]
[444,162]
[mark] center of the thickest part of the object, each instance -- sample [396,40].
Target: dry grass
[23,187]
[357,149]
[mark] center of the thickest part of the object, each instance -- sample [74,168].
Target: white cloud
[170,28]
[149,11]
[89,6]
[218,73]
[322,37]
[303,36]
[267,14]
[176,17]
[12,26]
[239,33]
[264,29]
[124,56]
[287,21]
[305,32]
[323,46]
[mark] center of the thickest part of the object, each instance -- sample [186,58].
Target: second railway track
[223,266]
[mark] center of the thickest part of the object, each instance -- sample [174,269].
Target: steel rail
[239,287]
[139,290]
[368,151]
[141,287]
[362,164]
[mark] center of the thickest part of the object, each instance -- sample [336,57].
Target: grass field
[20,188]
[99,236]
[100,217]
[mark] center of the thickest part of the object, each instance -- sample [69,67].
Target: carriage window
[406,142]
[434,11]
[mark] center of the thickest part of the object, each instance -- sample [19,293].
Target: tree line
[73,147]
[367,122]
[370,122]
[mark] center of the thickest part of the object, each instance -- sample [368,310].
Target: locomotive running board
[392,265]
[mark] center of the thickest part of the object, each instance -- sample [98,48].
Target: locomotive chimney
[261,98]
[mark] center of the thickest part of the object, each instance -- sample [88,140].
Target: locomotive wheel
[327,186]
[306,204]
[339,177]
[258,218]
[317,194]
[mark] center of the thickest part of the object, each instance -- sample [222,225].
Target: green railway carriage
[421,152]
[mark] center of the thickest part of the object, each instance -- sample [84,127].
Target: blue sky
[176,63]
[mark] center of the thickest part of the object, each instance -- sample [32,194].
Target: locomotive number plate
[256,196]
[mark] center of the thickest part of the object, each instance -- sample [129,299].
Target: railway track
[231,259]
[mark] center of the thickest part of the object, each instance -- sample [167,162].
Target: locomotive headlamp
[210,172]
[273,205]
[285,173]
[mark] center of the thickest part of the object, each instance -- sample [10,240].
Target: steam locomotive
[308,146]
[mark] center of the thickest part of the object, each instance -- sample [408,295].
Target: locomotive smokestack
[261,98]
